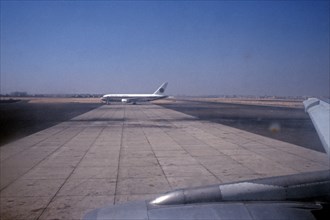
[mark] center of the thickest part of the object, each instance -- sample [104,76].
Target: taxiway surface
[289,124]
[22,118]
[119,153]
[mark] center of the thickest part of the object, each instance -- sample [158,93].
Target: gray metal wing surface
[300,196]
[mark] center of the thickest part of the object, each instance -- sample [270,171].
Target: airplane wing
[319,112]
[299,196]
[237,211]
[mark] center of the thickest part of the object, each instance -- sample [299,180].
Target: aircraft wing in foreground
[134,98]
[299,196]
[319,111]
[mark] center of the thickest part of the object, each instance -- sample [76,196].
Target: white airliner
[134,98]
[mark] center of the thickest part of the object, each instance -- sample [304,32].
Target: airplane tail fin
[161,89]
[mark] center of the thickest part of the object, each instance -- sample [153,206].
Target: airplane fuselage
[133,98]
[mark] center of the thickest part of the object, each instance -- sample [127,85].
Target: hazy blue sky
[200,48]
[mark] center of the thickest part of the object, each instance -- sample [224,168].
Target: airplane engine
[124,100]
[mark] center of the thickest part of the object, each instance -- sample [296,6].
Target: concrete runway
[120,153]
[23,118]
[291,125]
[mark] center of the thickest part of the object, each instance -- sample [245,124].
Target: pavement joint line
[212,148]
[56,133]
[152,149]
[187,153]
[120,152]
[255,151]
[249,167]
[40,161]
[270,158]
[289,152]
[249,151]
[52,199]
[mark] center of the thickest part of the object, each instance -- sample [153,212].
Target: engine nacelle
[125,100]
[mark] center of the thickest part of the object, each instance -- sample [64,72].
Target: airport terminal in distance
[102,155]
